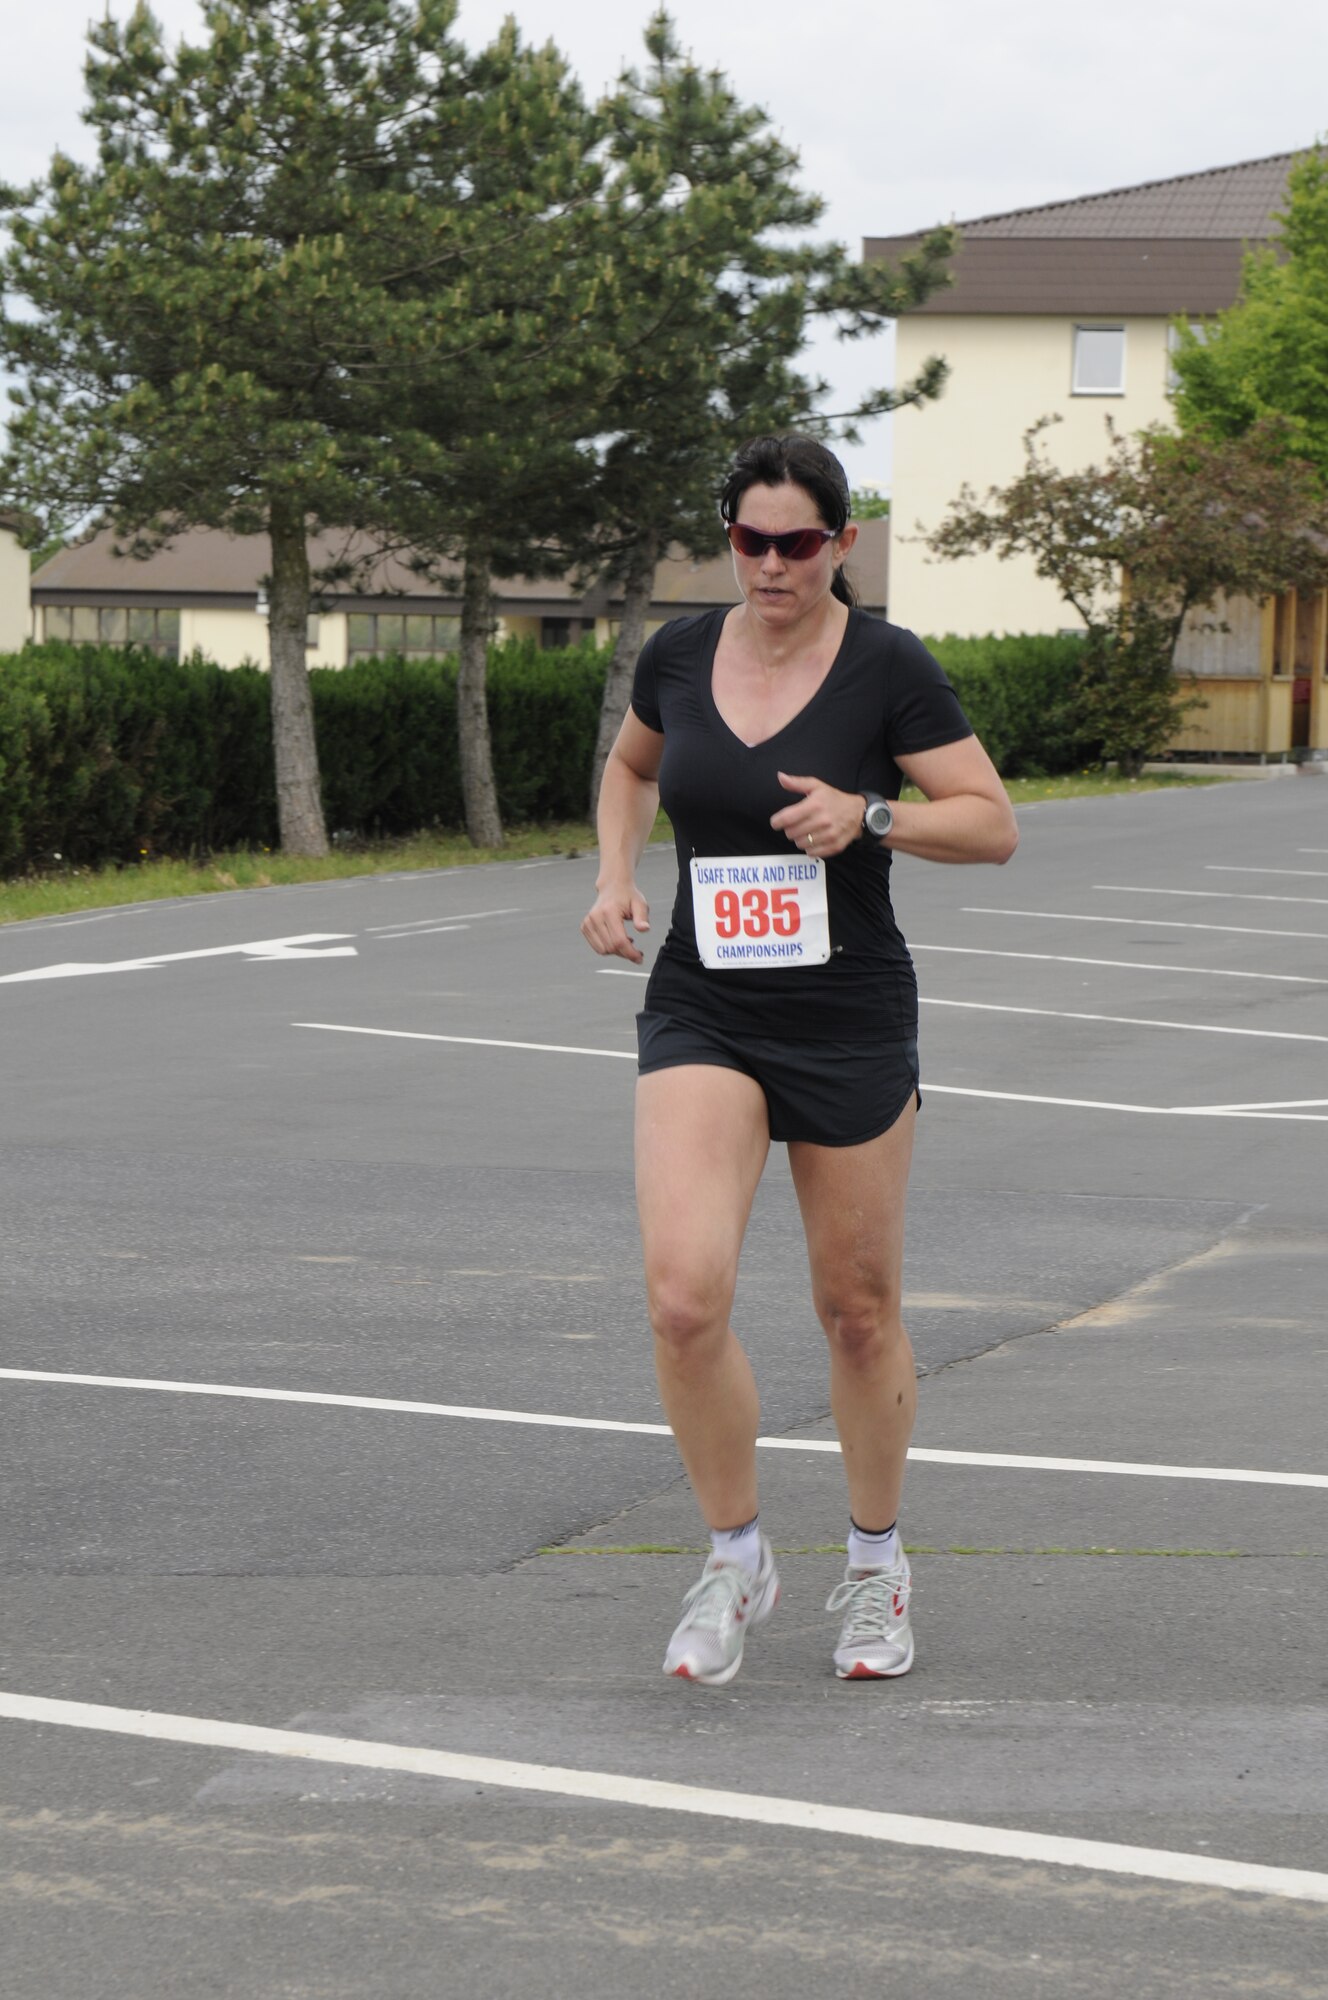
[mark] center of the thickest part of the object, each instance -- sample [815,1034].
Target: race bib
[760,910]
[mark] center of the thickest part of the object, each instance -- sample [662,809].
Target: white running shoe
[718,1613]
[877,1641]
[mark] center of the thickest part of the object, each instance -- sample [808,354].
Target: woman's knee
[861,1331]
[686,1313]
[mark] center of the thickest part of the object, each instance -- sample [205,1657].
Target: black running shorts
[827,1093]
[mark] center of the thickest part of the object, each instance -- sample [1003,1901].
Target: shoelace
[870,1602]
[714,1599]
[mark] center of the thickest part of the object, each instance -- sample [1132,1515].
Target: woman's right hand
[604,926]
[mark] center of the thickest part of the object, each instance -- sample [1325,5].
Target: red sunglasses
[798,545]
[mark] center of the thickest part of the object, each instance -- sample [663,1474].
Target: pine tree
[283,231]
[714,286]
[508,492]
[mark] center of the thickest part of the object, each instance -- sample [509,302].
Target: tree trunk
[483,823]
[299,798]
[638,589]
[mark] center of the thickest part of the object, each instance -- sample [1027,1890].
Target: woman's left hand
[824,821]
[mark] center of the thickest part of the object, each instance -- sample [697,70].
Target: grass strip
[1106,784]
[59,892]
[64,892]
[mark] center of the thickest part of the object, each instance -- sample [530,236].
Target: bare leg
[702,1137]
[852,1201]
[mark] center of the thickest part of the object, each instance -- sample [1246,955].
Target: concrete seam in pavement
[1115,1301]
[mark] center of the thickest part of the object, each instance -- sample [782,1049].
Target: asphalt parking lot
[341,1539]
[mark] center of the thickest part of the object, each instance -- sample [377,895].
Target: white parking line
[428,930]
[1137,1110]
[1121,964]
[65,923]
[1140,923]
[1286,1104]
[457,917]
[468,1041]
[544,1420]
[653,1794]
[1122,1020]
[939,1089]
[1220,895]
[1239,868]
[1057,958]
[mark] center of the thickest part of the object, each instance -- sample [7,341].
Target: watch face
[879,819]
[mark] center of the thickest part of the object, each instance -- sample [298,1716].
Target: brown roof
[1087,276]
[208,570]
[202,566]
[1172,246]
[1225,204]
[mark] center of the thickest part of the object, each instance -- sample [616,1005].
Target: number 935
[757,913]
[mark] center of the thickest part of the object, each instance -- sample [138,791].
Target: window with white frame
[155,628]
[1099,361]
[410,634]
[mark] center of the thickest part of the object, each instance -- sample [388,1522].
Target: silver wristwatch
[878,819]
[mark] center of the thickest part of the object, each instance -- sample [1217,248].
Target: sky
[902,115]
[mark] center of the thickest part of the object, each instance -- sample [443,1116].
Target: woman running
[783,1005]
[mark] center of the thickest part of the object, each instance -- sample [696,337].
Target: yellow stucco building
[14,577]
[1066,311]
[206,592]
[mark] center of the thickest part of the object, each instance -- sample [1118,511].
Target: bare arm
[964,815]
[628,803]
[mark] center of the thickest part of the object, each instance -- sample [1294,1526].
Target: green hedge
[387,737]
[107,753]
[1020,694]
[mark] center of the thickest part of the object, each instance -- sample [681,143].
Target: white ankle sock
[739,1545]
[872,1551]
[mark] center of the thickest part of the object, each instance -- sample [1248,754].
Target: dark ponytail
[798,461]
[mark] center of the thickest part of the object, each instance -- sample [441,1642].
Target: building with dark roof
[1164,248]
[205,593]
[1067,310]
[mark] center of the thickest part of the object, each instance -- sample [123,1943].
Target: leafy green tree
[1165,527]
[284,230]
[708,292]
[512,415]
[1268,354]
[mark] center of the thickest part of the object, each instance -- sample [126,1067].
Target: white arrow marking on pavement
[314,944]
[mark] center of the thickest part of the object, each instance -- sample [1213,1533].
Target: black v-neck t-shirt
[884,697]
